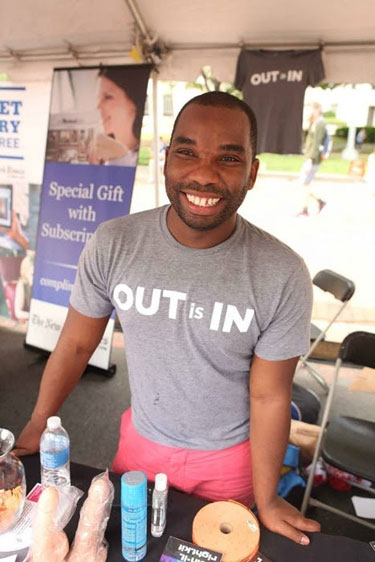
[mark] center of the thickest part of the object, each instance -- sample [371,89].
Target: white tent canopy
[36,36]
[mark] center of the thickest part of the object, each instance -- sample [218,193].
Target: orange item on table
[228,527]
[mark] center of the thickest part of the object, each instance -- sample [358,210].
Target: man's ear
[253,173]
[166,159]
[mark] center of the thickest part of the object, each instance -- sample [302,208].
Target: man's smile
[202,201]
[201,204]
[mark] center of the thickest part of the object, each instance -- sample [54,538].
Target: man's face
[315,113]
[209,166]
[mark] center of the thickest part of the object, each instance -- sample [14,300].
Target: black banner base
[89,369]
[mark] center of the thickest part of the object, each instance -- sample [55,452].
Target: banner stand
[110,372]
[89,171]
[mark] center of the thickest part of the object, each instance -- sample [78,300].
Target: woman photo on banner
[96,115]
[120,103]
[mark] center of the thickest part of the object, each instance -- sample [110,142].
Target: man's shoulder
[268,246]
[126,224]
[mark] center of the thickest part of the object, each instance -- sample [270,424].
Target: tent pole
[138,19]
[156,135]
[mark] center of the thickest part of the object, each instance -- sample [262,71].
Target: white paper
[20,535]
[364,507]
[19,538]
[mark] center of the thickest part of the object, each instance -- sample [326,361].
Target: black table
[181,512]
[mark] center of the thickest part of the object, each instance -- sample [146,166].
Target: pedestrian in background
[314,155]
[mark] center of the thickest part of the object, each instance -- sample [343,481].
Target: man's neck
[198,239]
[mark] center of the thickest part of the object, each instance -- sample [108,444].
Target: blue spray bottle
[134,515]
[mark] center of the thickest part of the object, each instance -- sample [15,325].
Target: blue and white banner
[92,149]
[11,111]
[23,132]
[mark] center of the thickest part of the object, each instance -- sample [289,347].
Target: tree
[207,82]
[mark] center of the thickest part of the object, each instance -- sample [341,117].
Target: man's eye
[185,152]
[228,158]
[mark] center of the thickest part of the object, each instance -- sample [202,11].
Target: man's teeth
[202,201]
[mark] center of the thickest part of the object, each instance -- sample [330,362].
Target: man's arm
[270,399]
[78,340]
[320,131]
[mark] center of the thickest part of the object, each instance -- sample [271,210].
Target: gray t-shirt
[192,320]
[273,84]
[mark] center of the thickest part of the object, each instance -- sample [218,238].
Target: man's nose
[204,172]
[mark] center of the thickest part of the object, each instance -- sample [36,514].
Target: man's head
[222,99]
[316,111]
[210,165]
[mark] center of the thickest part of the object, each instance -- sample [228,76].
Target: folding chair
[345,442]
[342,289]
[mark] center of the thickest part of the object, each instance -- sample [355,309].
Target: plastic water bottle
[159,505]
[54,455]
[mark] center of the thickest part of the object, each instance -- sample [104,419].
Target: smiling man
[210,166]
[215,313]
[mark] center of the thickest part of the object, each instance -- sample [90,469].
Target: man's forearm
[270,396]
[269,432]
[63,370]
[78,341]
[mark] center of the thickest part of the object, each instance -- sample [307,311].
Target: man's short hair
[222,99]
[316,105]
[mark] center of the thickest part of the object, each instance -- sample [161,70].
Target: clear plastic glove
[49,543]
[89,544]
[54,510]
[104,148]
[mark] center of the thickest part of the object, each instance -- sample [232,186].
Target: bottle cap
[134,488]
[161,482]
[53,422]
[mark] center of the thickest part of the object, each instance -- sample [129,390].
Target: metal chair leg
[316,376]
[317,503]
[318,447]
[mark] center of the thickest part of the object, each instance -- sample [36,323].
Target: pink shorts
[214,475]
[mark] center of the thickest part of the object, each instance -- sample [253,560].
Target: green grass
[144,155]
[280,162]
[293,163]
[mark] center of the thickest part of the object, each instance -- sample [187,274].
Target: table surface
[182,509]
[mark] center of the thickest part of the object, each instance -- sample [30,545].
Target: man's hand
[281,517]
[28,441]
